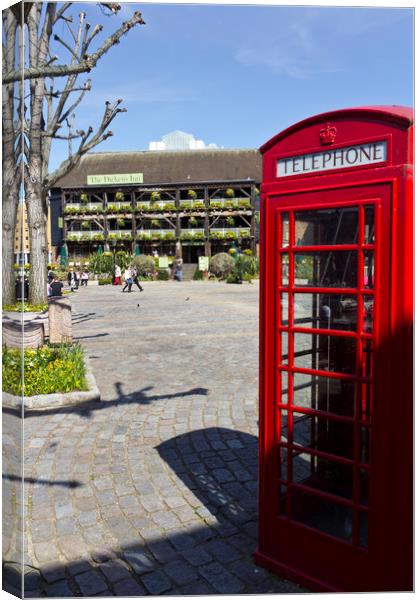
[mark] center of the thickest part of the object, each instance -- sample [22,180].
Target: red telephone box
[336,456]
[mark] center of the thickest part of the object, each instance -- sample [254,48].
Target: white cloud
[293,52]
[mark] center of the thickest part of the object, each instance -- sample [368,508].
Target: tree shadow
[87,409]
[86,337]
[70,483]
[83,317]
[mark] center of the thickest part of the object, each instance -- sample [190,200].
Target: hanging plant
[230,192]
[230,221]
[84,198]
[85,225]
[155,196]
[120,222]
[192,194]
[119,196]
[154,223]
[193,221]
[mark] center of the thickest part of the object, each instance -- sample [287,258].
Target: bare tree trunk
[37,209]
[11,176]
[9,208]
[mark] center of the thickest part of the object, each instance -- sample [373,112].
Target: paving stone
[182,541]
[87,517]
[156,582]
[248,572]
[197,556]
[65,526]
[102,555]
[162,551]
[222,581]
[197,588]
[181,572]
[128,587]
[221,551]
[223,475]
[139,561]
[79,566]
[58,590]
[53,571]
[91,583]
[114,570]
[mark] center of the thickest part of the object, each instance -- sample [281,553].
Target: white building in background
[179,140]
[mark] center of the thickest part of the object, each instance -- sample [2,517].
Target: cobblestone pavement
[154,489]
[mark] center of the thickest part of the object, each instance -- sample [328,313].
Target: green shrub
[47,370]
[244,269]
[25,307]
[215,205]
[144,264]
[244,203]
[163,275]
[304,267]
[221,264]
[100,263]
[198,275]
[105,281]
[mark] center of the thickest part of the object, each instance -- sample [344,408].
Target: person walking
[84,278]
[117,275]
[136,279]
[128,278]
[178,269]
[71,280]
[77,279]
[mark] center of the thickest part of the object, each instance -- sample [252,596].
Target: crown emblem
[328,134]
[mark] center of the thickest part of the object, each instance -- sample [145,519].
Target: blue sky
[237,75]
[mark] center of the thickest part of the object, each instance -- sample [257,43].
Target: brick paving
[152,491]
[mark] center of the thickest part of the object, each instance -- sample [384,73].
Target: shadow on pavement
[70,483]
[87,409]
[218,467]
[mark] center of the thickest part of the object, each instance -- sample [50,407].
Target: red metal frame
[320,560]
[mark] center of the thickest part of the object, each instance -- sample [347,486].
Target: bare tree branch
[87,144]
[87,64]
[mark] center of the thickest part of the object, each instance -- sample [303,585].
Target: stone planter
[24,329]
